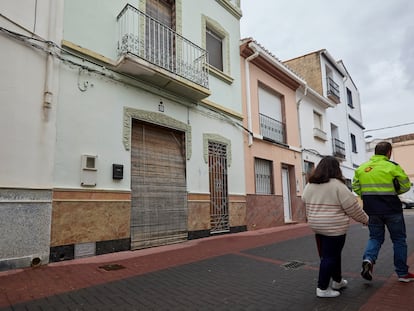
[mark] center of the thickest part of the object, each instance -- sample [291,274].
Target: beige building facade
[402,151]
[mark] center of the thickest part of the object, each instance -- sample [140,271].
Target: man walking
[378,182]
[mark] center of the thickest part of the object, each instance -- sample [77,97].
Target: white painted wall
[27,129]
[307,106]
[27,138]
[223,93]
[91,121]
[197,168]
[338,116]
[360,156]
[92,24]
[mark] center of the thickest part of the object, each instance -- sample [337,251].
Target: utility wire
[388,127]
[55,50]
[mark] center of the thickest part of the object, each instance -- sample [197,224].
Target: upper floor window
[332,88]
[214,47]
[317,120]
[318,131]
[216,40]
[338,146]
[349,98]
[353,142]
[271,115]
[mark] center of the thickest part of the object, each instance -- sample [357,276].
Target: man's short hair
[382,148]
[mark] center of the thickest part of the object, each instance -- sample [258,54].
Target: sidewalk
[269,269]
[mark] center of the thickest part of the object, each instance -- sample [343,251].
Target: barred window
[264,176]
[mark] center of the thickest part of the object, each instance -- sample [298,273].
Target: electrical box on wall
[88,170]
[117,171]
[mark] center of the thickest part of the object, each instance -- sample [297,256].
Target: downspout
[305,92]
[302,161]
[248,99]
[48,87]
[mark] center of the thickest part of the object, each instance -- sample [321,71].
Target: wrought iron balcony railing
[272,129]
[148,39]
[333,89]
[338,148]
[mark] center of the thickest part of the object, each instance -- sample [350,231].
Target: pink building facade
[272,139]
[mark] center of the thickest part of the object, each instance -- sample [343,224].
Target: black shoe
[366,271]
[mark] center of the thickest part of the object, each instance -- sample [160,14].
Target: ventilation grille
[293,265]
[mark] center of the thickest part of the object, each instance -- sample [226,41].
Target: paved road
[272,269]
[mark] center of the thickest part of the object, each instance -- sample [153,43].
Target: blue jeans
[330,250]
[396,227]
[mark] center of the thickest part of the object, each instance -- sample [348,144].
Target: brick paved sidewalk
[240,271]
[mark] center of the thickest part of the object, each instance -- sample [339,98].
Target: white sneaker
[339,285]
[327,293]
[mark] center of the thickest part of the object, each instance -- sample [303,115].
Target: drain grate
[293,265]
[112,267]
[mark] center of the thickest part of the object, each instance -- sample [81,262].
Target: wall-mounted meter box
[117,171]
[88,170]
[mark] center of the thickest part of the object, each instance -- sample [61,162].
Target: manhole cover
[112,267]
[293,265]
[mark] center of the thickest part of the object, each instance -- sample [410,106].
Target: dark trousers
[330,250]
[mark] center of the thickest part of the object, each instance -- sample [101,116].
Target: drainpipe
[48,87]
[248,99]
[302,161]
[305,92]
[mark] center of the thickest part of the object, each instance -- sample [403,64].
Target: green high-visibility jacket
[378,182]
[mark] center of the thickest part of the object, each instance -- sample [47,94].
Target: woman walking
[329,207]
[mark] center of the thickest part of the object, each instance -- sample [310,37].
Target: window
[317,121]
[338,146]
[353,142]
[271,115]
[318,127]
[216,41]
[264,176]
[307,169]
[214,47]
[332,86]
[349,98]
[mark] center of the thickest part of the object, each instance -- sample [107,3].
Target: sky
[374,39]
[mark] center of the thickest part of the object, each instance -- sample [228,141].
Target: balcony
[338,148]
[318,133]
[154,53]
[272,129]
[333,90]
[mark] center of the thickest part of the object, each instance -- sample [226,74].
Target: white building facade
[142,143]
[330,113]
[28,129]
[314,128]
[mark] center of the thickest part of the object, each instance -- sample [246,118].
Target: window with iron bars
[263,170]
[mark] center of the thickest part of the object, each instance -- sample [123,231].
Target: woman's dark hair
[327,168]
